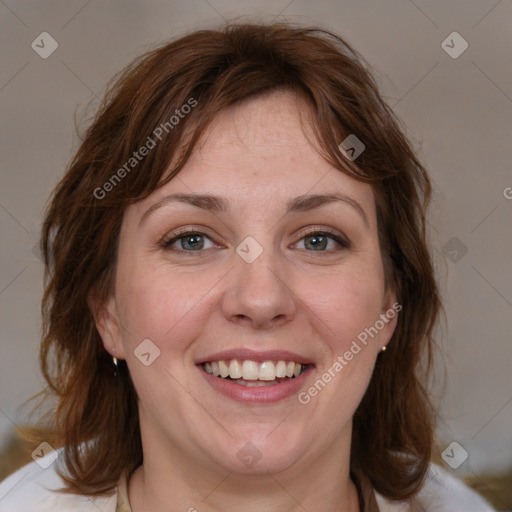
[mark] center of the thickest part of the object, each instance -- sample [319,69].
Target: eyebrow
[218,204]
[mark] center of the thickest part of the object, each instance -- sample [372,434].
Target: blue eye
[194,241]
[319,240]
[191,239]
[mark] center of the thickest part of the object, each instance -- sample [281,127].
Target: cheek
[345,303]
[349,305]
[168,308]
[164,305]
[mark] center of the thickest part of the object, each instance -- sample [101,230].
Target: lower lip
[260,394]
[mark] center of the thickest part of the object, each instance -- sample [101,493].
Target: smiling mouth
[255,374]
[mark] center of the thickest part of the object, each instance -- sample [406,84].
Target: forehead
[264,124]
[261,151]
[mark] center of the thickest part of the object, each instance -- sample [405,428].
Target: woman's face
[268,274]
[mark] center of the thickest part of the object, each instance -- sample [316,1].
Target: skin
[292,297]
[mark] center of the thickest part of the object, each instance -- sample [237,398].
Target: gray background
[458,113]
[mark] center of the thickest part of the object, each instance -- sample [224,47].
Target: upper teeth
[252,370]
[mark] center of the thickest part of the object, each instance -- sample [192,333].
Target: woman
[240,291]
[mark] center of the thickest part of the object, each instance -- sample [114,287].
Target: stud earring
[383,349]
[114,360]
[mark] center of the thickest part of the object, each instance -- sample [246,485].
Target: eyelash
[167,243]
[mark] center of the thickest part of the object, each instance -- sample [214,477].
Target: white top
[29,489]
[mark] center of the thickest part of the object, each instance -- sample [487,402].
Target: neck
[174,480]
[268,494]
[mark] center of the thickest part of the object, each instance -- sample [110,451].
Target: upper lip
[243,354]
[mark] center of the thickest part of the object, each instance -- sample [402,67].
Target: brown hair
[96,418]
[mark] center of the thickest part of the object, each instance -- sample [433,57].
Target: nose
[259,294]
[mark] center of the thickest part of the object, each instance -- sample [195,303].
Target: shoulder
[441,492]
[32,488]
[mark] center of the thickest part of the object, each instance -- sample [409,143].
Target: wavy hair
[96,415]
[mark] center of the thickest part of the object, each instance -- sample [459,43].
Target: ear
[107,323]
[389,312]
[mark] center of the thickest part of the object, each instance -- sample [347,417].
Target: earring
[114,360]
[383,349]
